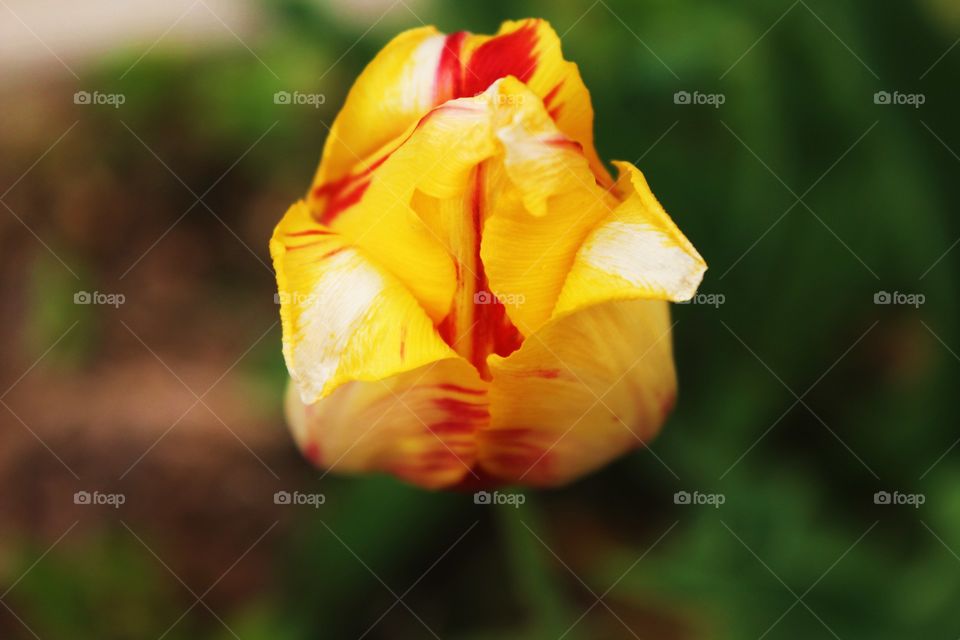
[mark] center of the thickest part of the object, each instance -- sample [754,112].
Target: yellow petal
[394,91]
[636,252]
[530,240]
[474,327]
[436,157]
[419,425]
[581,391]
[344,318]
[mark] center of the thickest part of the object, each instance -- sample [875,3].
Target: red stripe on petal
[340,199]
[508,55]
[449,81]
[462,410]
[565,143]
[302,246]
[549,374]
[313,453]
[552,95]
[341,194]
[548,101]
[493,331]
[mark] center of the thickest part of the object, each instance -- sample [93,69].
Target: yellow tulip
[466,294]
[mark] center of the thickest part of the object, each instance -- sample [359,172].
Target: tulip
[467,295]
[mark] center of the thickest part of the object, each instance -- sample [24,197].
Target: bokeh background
[801,397]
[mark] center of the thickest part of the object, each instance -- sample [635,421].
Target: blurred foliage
[799,533]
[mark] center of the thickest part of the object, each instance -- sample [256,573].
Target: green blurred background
[800,396]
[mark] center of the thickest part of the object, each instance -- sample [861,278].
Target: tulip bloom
[466,293]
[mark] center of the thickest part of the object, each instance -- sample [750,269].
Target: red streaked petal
[509,53]
[344,317]
[449,82]
[420,425]
[583,390]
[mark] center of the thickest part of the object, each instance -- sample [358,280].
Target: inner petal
[477,324]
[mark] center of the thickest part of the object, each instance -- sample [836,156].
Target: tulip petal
[344,318]
[636,252]
[436,157]
[584,389]
[530,241]
[394,91]
[419,425]
[530,50]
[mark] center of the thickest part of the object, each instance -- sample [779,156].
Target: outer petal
[419,425]
[579,392]
[527,258]
[636,252]
[344,318]
[394,91]
[374,386]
